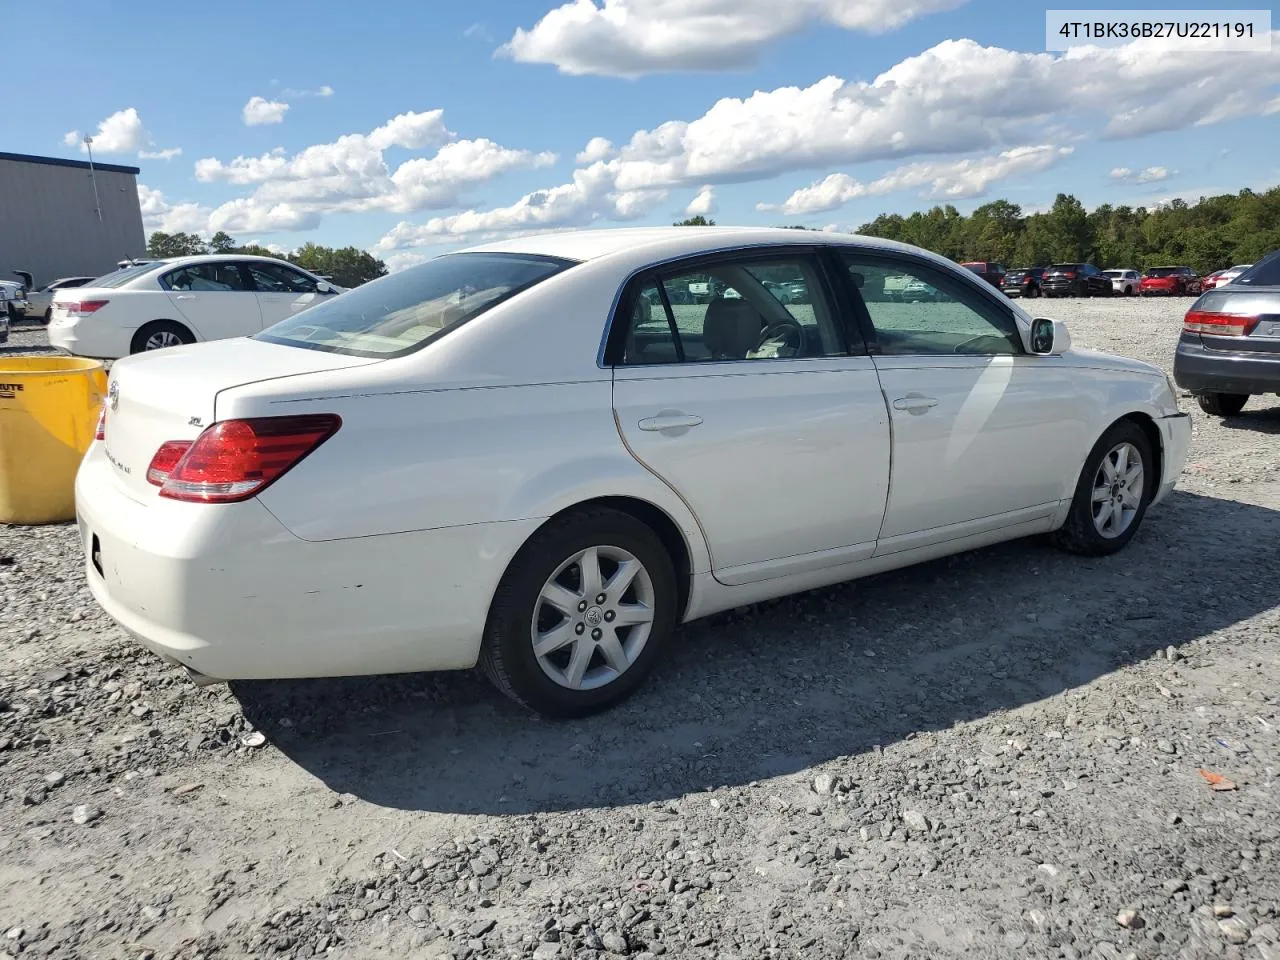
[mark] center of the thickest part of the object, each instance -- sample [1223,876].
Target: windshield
[118,278]
[403,312]
[1162,272]
[1264,273]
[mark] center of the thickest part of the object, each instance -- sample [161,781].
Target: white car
[1124,281]
[525,455]
[40,302]
[13,297]
[1231,273]
[167,303]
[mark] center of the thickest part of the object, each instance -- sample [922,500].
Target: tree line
[346,266]
[1213,233]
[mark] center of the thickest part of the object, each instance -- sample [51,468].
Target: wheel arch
[141,332]
[1147,424]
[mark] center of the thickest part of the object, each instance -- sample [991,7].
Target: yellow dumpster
[48,412]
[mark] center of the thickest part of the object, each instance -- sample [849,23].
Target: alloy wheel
[1117,490]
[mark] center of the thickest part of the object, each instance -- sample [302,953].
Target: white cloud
[159,214]
[704,204]
[260,112]
[322,91]
[1147,175]
[597,148]
[404,260]
[122,132]
[351,174]
[635,37]
[952,180]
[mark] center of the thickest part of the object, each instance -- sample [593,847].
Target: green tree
[162,244]
[698,221]
[348,266]
[221,243]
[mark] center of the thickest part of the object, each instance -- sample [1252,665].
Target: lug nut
[579,629]
[582,606]
[597,633]
[601,599]
[609,615]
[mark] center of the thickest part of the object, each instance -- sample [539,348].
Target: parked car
[15,300]
[4,321]
[1074,280]
[1222,277]
[1230,344]
[1022,282]
[512,455]
[1124,281]
[167,303]
[40,302]
[993,273]
[1170,282]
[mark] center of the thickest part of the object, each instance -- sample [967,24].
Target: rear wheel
[160,334]
[581,615]
[1112,494]
[1222,404]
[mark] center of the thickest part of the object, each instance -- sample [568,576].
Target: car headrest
[731,329]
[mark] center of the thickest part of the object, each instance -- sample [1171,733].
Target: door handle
[915,403]
[182,296]
[664,422]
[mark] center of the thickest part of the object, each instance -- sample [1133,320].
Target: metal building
[63,218]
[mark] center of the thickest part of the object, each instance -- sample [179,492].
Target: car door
[984,434]
[213,298]
[282,291]
[749,401]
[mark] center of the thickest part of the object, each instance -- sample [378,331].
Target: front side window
[749,309]
[276,278]
[400,313]
[205,278]
[915,308]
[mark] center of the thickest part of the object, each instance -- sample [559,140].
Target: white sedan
[167,303]
[532,456]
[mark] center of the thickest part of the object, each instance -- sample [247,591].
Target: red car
[1170,282]
[993,273]
[1211,281]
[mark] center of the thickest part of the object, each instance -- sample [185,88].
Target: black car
[1230,343]
[1074,280]
[1022,282]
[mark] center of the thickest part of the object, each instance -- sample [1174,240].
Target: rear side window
[401,313]
[205,278]
[118,278]
[1265,273]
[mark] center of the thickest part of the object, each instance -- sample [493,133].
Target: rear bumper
[1058,288]
[1201,370]
[85,338]
[227,591]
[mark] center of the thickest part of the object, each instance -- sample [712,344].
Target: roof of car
[659,243]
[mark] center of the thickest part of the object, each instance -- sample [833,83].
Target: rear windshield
[1163,272]
[1113,274]
[1264,273]
[405,311]
[119,278]
[1065,266]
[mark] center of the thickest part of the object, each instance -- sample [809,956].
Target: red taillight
[1069,275]
[1219,324]
[165,460]
[237,459]
[83,307]
[101,432]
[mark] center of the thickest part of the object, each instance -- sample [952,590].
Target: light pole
[97,204]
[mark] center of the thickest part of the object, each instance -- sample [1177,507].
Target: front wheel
[581,615]
[1222,404]
[1112,493]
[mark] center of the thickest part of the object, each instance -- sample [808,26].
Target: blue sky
[957,103]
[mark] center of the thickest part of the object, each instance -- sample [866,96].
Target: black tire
[1079,534]
[155,327]
[1222,404]
[48,315]
[506,654]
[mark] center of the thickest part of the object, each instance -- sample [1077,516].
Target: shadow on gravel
[1264,420]
[795,682]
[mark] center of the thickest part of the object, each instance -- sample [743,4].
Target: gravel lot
[996,756]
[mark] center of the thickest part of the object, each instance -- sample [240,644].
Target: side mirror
[324,287]
[1049,338]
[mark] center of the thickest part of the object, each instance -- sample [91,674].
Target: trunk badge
[113,395]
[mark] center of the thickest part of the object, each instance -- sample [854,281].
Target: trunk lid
[171,394]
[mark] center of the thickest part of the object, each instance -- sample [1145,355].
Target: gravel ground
[997,755]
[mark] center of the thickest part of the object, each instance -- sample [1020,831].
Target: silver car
[40,302]
[15,299]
